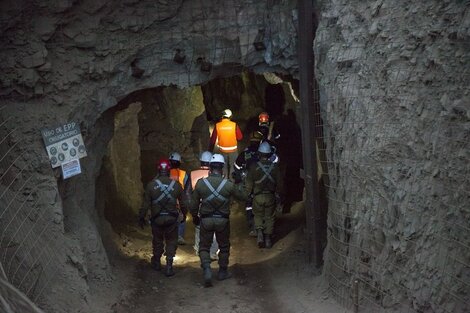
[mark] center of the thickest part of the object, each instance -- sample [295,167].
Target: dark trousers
[221,228]
[264,206]
[249,214]
[165,237]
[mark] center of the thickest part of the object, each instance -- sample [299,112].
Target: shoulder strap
[267,169]
[215,193]
[165,189]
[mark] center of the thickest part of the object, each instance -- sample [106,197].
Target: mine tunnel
[371,101]
[151,123]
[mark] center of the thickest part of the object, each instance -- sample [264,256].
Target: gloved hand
[142,222]
[237,176]
[196,220]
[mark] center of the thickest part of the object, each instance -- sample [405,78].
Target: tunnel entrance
[151,123]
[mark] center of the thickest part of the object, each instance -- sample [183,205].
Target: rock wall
[76,60]
[124,192]
[395,100]
[172,119]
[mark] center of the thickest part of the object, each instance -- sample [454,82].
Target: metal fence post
[306,77]
[356,296]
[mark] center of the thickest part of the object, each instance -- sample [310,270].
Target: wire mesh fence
[27,251]
[393,135]
[377,143]
[12,300]
[210,39]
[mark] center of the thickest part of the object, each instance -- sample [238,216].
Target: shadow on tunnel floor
[288,222]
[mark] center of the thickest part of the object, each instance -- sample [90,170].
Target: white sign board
[71,168]
[64,143]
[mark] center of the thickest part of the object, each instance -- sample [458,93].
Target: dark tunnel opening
[151,123]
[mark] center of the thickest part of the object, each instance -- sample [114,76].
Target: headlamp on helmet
[175,156]
[263,118]
[163,165]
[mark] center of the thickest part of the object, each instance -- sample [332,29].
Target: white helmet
[265,148]
[217,158]
[175,156]
[206,156]
[227,113]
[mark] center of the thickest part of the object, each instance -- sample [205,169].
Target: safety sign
[71,168]
[63,143]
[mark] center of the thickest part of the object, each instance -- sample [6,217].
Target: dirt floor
[277,280]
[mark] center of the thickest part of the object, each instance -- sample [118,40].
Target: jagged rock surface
[396,105]
[68,60]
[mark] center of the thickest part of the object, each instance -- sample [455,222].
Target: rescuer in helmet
[227,134]
[182,177]
[160,198]
[202,172]
[210,207]
[248,157]
[268,129]
[263,181]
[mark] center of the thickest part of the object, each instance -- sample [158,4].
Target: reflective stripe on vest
[226,135]
[227,149]
[178,174]
[198,174]
[267,169]
[215,193]
[166,191]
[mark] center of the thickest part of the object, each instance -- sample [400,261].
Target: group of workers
[207,193]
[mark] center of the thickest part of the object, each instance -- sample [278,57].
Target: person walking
[267,128]
[160,198]
[195,175]
[227,134]
[263,181]
[176,173]
[247,158]
[210,208]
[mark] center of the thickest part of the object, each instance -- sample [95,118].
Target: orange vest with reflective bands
[197,175]
[226,135]
[178,175]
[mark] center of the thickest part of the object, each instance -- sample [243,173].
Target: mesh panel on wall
[394,148]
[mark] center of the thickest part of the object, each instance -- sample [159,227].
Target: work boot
[260,238]
[267,242]
[223,273]
[207,273]
[169,267]
[155,263]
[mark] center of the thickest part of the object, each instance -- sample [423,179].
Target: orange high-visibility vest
[178,175]
[226,135]
[198,174]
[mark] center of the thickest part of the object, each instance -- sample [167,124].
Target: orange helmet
[163,165]
[263,117]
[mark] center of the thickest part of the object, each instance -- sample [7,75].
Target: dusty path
[274,281]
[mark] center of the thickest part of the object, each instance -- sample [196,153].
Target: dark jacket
[156,201]
[258,182]
[207,202]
